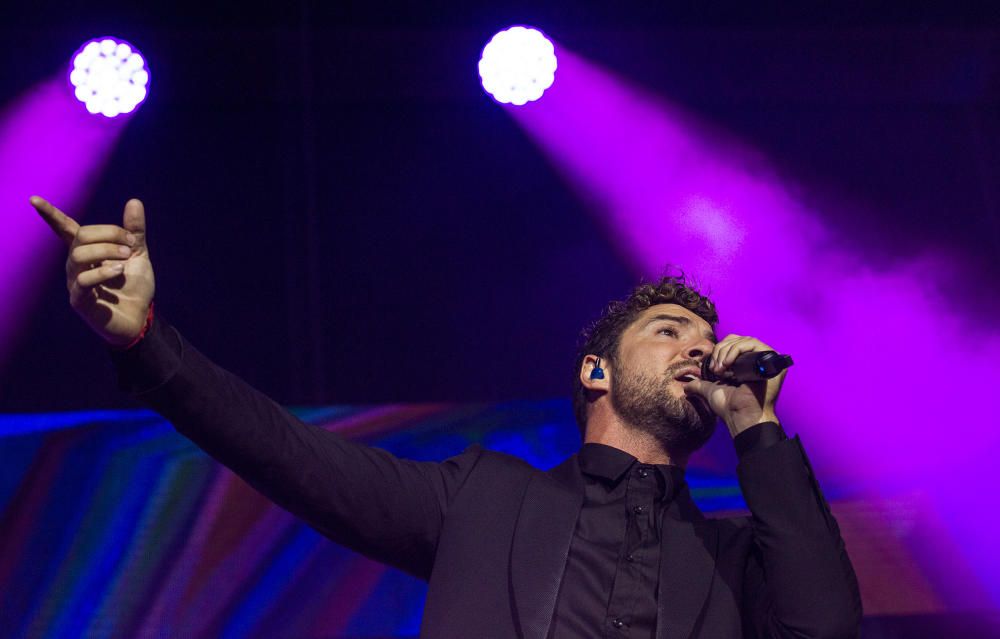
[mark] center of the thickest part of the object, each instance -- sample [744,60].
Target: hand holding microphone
[740,381]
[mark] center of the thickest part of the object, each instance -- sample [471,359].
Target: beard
[681,424]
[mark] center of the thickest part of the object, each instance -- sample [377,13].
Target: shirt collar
[610,464]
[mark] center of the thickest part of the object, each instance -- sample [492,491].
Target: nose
[701,349]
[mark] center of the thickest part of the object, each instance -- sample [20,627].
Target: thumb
[707,392]
[134,220]
[698,387]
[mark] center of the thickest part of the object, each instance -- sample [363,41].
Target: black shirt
[610,584]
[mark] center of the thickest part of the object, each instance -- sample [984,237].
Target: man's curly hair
[603,337]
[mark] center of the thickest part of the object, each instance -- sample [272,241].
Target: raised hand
[108,272]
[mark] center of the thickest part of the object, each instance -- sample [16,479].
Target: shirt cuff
[150,362]
[757,438]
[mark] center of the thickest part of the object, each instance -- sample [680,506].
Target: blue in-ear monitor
[598,372]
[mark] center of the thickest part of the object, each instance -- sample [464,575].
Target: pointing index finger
[63,225]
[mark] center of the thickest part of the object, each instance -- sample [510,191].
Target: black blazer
[491,533]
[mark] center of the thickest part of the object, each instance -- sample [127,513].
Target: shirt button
[630,558]
[638,510]
[618,623]
[643,473]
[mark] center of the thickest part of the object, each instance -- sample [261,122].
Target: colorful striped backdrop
[113,525]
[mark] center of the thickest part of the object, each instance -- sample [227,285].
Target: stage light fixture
[109,76]
[517,65]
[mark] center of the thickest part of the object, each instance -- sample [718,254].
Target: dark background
[339,214]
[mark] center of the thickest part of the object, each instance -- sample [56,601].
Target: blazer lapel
[542,538]
[687,566]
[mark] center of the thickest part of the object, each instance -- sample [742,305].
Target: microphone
[748,367]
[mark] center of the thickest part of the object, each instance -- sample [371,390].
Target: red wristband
[145,327]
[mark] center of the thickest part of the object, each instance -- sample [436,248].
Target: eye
[668,331]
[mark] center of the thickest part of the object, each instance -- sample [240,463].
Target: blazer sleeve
[799,581]
[386,508]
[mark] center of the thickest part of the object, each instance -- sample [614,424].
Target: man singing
[607,544]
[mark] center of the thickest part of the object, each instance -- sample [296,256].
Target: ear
[587,367]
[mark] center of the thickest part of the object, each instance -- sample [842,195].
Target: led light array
[109,76]
[518,65]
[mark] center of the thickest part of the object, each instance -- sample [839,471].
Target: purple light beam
[669,190]
[49,146]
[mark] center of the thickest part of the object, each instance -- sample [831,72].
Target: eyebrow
[685,321]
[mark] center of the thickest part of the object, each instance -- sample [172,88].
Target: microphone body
[748,367]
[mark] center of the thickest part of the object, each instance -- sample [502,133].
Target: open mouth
[687,374]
